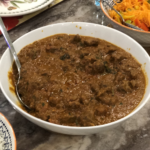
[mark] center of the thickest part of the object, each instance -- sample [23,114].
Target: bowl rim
[12,130]
[24,113]
[140,31]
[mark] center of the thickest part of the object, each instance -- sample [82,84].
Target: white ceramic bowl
[7,135]
[143,37]
[86,29]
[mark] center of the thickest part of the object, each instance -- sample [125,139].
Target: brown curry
[79,81]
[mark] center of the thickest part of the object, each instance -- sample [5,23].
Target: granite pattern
[134,134]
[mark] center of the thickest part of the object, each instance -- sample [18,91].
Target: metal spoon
[14,54]
[123,21]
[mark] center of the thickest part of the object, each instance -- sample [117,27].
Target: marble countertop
[134,134]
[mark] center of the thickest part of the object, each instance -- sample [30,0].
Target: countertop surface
[133,134]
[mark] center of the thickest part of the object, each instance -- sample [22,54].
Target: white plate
[10,8]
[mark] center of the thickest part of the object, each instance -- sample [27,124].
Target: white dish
[9,8]
[86,29]
[7,135]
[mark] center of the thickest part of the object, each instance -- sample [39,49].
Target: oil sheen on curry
[76,80]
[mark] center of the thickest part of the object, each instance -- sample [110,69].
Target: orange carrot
[141,25]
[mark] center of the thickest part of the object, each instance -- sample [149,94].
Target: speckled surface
[134,134]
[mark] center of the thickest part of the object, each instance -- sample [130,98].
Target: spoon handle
[9,43]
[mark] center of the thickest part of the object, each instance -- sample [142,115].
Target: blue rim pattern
[4,133]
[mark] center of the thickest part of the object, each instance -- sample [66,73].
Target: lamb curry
[76,80]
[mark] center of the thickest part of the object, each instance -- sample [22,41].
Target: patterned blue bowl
[7,135]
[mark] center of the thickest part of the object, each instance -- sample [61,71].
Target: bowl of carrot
[136,12]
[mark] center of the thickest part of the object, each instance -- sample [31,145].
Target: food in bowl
[136,12]
[78,80]
[140,36]
[86,29]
